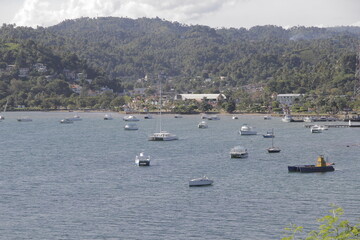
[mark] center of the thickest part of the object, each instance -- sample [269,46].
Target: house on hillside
[289,99]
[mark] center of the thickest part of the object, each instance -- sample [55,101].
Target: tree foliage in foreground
[333,227]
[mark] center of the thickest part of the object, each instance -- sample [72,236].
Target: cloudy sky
[214,13]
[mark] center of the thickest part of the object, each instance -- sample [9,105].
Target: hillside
[298,59]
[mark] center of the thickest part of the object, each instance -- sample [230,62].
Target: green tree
[332,228]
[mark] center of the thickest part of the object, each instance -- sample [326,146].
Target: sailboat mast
[160,122]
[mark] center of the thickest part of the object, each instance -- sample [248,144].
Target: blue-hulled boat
[321,166]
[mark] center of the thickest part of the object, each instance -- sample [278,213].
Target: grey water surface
[79,181]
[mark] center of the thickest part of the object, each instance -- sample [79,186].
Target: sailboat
[162,135]
[273,149]
[1,116]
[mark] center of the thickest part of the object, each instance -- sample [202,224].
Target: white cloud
[50,12]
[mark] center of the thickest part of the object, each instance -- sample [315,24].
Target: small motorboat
[131,126]
[177,116]
[142,160]
[215,117]
[269,134]
[200,182]
[267,118]
[316,129]
[148,116]
[234,117]
[24,119]
[203,124]
[247,130]
[66,121]
[308,119]
[130,118]
[108,117]
[76,118]
[287,118]
[321,166]
[238,152]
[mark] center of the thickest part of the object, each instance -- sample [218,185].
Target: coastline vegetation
[98,63]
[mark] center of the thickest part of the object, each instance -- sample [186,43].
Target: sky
[213,13]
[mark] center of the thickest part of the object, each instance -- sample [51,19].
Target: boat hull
[273,150]
[246,133]
[310,168]
[142,163]
[238,155]
[200,183]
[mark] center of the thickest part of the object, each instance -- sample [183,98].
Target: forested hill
[298,59]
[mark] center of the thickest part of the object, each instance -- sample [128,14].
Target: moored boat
[203,124]
[287,118]
[163,136]
[131,126]
[24,119]
[269,134]
[66,121]
[316,129]
[238,152]
[321,166]
[142,160]
[75,118]
[247,130]
[200,182]
[130,118]
[108,117]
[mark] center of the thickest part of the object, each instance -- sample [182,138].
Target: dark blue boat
[321,166]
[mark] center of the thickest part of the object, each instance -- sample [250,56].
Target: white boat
[247,130]
[66,120]
[130,118]
[238,152]
[75,118]
[199,182]
[316,129]
[162,135]
[324,127]
[142,160]
[177,116]
[234,117]
[203,124]
[108,117]
[287,118]
[24,119]
[215,117]
[131,126]
[267,118]
[308,119]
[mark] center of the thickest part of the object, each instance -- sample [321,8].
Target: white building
[199,97]
[288,99]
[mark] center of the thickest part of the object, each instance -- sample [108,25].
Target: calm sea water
[79,181]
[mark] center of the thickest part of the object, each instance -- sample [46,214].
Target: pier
[334,125]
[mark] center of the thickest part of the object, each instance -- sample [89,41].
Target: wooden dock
[333,125]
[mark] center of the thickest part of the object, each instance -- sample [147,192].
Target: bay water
[79,181]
